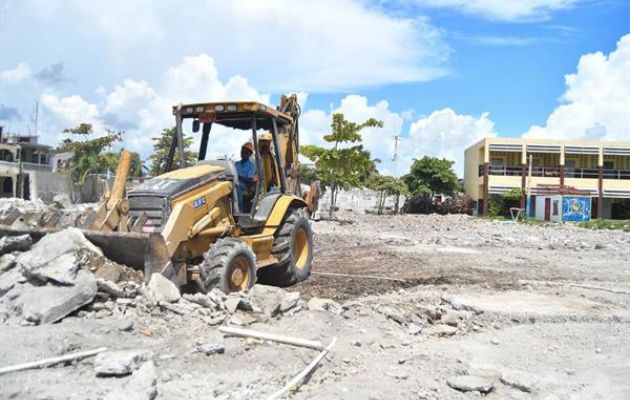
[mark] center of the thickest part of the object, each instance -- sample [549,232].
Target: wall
[45,185]
[472,180]
[540,208]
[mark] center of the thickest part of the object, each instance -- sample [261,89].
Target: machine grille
[155,208]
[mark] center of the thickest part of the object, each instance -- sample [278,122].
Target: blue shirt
[245,169]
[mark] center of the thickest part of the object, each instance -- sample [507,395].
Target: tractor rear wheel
[229,265]
[293,247]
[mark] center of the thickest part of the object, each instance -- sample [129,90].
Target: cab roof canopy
[234,114]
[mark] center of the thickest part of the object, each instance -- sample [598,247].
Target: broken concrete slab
[393,314]
[484,371]
[210,348]
[141,386]
[9,279]
[201,299]
[62,270]
[470,383]
[290,301]
[268,298]
[161,289]
[62,200]
[110,288]
[444,331]
[7,261]
[49,304]
[242,319]
[9,215]
[56,256]
[236,302]
[414,329]
[520,380]
[120,363]
[9,244]
[109,271]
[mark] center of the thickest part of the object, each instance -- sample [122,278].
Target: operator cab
[270,181]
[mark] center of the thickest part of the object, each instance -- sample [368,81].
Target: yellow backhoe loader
[188,223]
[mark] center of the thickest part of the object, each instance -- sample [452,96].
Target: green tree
[386,186]
[431,176]
[343,166]
[161,146]
[88,157]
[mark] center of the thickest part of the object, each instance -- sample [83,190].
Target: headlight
[231,107]
[219,107]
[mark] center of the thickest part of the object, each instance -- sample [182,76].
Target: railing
[546,171]
[587,173]
[502,170]
[581,173]
[616,174]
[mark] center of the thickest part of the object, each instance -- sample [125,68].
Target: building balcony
[551,172]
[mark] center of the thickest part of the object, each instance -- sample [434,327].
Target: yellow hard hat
[266,136]
[249,146]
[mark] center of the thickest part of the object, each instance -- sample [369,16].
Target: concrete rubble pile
[65,274]
[22,214]
[45,282]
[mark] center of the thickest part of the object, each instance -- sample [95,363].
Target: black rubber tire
[218,263]
[285,272]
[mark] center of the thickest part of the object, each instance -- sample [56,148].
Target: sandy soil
[542,312]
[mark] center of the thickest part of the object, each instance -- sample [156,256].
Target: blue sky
[440,73]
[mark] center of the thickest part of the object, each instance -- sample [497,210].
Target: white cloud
[143,111]
[502,10]
[379,141]
[16,75]
[280,45]
[445,134]
[596,103]
[72,110]
[503,40]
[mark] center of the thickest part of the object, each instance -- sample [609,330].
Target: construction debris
[120,363]
[470,305]
[294,384]
[52,361]
[311,344]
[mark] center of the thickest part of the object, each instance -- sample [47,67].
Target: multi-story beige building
[496,165]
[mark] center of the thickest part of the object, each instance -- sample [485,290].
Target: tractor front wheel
[229,265]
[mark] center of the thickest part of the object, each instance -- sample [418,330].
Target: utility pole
[37,118]
[395,158]
[528,189]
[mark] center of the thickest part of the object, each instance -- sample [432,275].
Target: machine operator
[247,178]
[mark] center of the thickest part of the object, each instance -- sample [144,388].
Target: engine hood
[182,180]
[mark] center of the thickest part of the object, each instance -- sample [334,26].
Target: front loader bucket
[141,251]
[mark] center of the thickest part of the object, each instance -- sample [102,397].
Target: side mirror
[195,125]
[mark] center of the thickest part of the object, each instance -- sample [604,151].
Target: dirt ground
[540,312]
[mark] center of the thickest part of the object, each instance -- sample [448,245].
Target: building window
[496,161]
[6,155]
[609,164]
